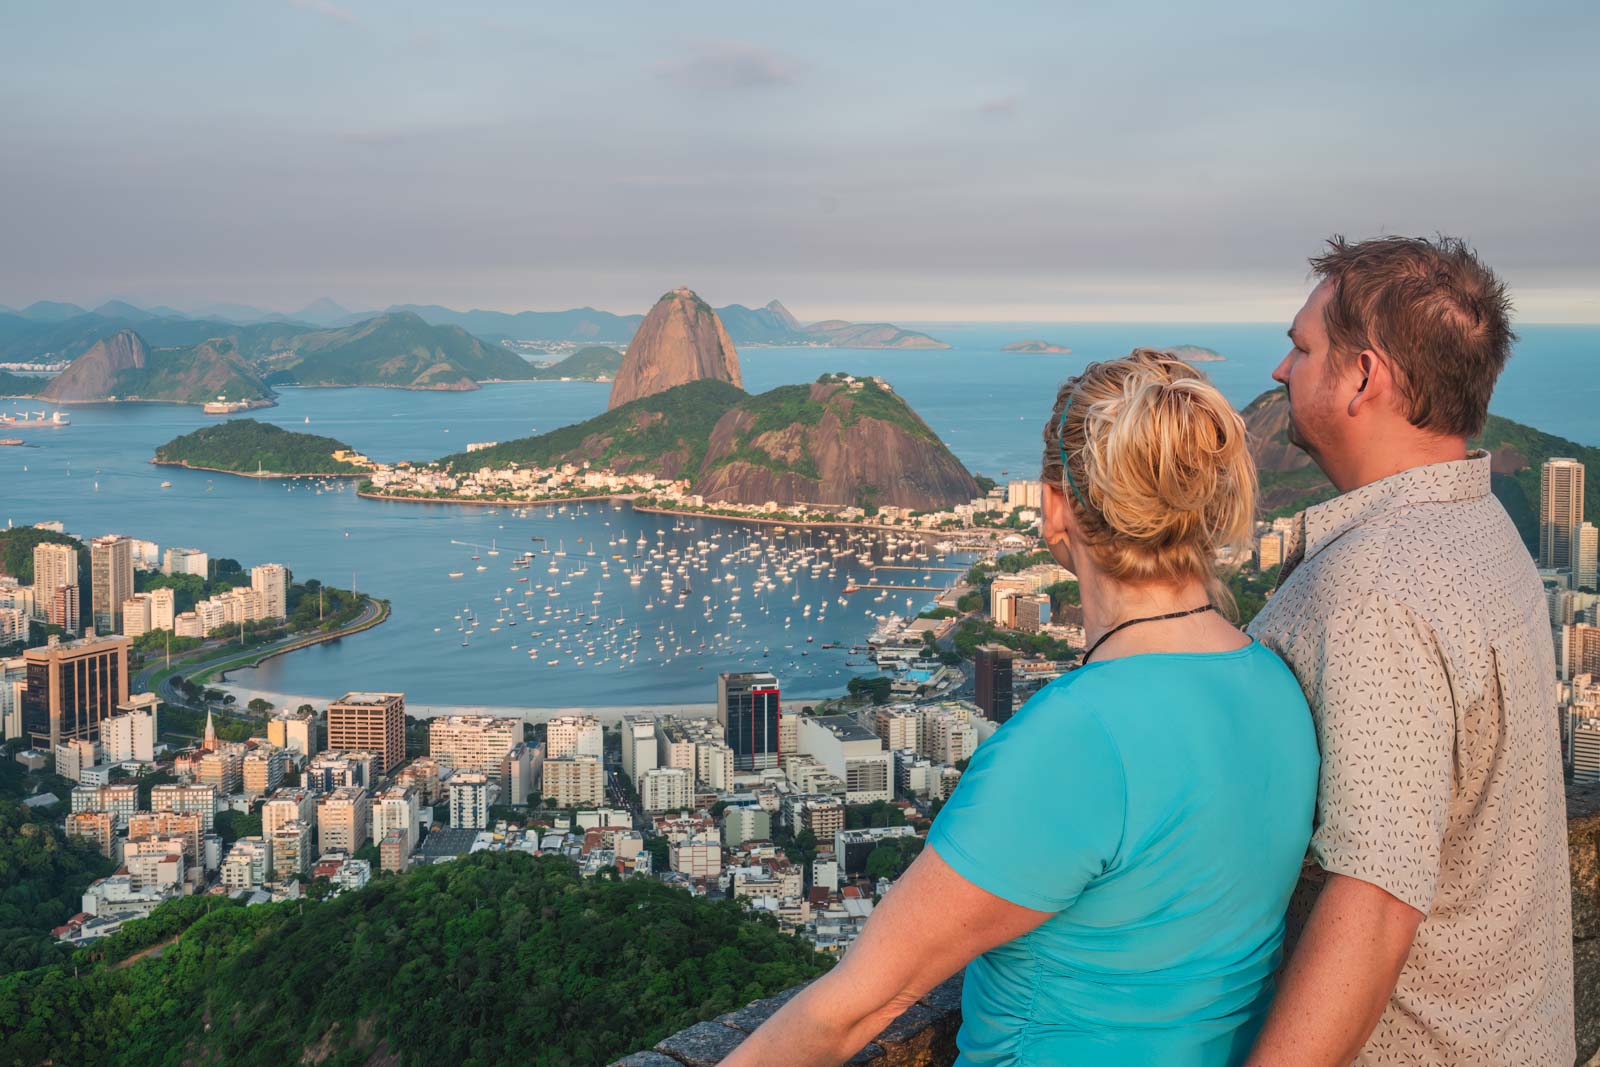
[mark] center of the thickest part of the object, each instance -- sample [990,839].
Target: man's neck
[1381,459]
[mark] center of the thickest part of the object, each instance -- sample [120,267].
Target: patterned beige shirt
[1417,625]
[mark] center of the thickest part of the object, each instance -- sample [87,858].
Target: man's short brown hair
[1439,314]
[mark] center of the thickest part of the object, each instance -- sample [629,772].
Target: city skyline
[1175,167]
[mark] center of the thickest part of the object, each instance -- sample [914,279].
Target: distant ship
[36,418]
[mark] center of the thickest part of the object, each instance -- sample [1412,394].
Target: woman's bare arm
[928,927]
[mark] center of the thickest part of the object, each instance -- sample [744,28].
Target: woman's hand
[930,925]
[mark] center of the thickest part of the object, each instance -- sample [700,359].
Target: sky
[924,161]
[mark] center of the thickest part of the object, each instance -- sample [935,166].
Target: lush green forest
[591,364]
[491,959]
[42,874]
[19,384]
[636,434]
[241,445]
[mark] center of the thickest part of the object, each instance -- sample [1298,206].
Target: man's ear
[1376,382]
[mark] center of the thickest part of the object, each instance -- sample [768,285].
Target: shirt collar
[1320,525]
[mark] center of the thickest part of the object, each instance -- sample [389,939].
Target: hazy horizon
[928,163]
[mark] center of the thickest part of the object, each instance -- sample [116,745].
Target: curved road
[370,611]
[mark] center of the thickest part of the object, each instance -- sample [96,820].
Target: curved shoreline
[630,499]
[250,474]
[306,642]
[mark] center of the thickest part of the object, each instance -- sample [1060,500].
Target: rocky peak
[91,375]
[783,315]
[681,340]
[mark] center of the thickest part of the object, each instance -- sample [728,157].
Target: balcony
[925,1035]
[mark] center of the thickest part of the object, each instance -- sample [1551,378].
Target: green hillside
[666,431]
[398,350]
[245,446]
[19,384]
[498,957]
[1290,484]
[594,363]
[193,376]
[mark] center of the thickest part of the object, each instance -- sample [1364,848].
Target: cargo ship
[23,419]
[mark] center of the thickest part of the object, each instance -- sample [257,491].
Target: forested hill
[1290,481]
[596,363]
[498,957]
[245,446]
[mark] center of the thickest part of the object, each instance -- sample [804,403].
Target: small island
[1043,347]
[261,450]
[1195,354]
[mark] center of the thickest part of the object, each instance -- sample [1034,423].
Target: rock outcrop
[94,375]
[837,441]
[681,340]
[1043,347]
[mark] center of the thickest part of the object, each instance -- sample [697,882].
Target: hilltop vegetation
[244,445]
[493,958]
[1290,482]
[593,364]
[18,384]
[664,432]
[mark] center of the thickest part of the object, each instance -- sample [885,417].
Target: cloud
[326,9]
[717,66]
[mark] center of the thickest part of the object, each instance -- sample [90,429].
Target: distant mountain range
[399,350]
[49,331]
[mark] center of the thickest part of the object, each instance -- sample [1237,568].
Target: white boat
[166,485]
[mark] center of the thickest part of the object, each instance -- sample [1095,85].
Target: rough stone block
[701,1045]
[645,1059]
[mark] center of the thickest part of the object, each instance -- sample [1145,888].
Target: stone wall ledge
[925,1035]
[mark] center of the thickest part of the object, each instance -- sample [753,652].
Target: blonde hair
[1161,477]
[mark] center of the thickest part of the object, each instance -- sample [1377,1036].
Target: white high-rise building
[136,615]
[1560,511]
[574,735]
[163,609]
[1586,556]
[110,580]
[476,743]
[851,753]
[54,565]
[397,809]
[666,789]
[288,805]
[271,580]
[1586,752]
[186,561]
[13,676]
[294,732]
[131,733]
[638,746]
[574,782]
[342,820]
[469,800]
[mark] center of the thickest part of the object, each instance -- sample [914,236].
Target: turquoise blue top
[1159,805]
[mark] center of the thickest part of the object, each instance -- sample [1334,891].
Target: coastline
[631,500]
[250,474]
[148,400]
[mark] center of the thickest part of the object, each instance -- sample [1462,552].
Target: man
[1416,623]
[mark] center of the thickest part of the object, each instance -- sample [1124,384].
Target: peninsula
[261,450]
[123,367]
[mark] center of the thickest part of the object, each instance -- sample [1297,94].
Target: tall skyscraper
[748,709]
[1560,510]
[271,580]
[72,687]
[1586,556]
[991,665]
[370,722]
[54,565]
[475,743]
[110,580]
[63,609]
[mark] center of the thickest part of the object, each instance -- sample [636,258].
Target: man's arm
[929,926]
[1339,979]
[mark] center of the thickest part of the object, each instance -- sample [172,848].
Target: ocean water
[987,405]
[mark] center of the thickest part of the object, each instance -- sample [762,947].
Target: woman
[1114,867]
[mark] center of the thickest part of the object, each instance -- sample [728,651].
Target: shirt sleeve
[1039,812]
[1386,725]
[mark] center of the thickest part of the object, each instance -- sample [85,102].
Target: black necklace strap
[1134,622]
